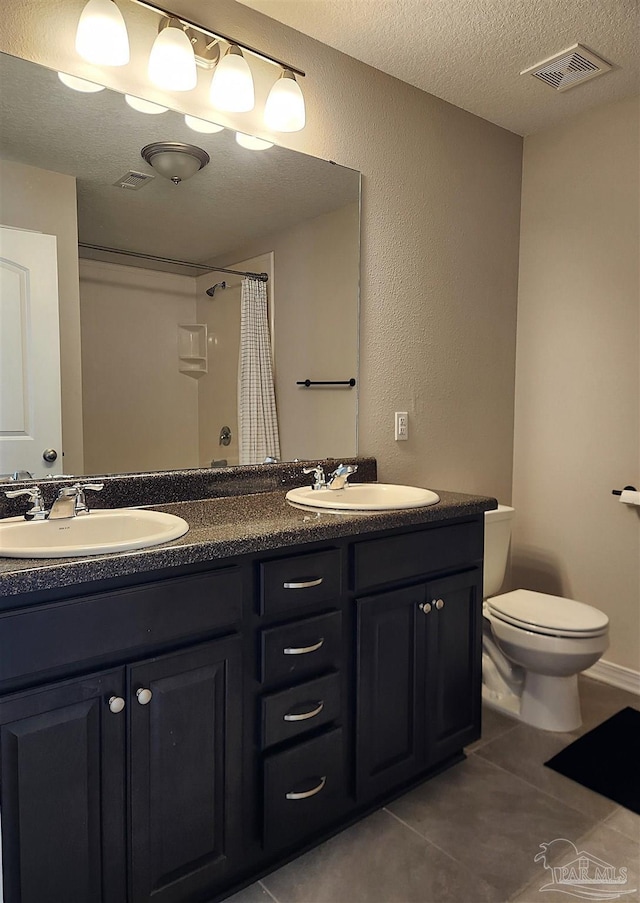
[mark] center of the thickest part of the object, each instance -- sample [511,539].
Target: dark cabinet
[62,772]
[63,757]
[418,697]
[186,790]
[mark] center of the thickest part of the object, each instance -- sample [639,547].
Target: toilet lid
[542,613]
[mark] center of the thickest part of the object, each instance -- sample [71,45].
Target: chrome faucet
[71,500]
[319,481]
[339,477]
[37,510]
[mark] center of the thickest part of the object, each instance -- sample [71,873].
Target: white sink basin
[118,530]
[364,497]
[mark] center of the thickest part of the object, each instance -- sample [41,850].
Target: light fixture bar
[219,36]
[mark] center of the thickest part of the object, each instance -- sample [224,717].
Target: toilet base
[549,703]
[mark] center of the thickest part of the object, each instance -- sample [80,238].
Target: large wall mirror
[149,360]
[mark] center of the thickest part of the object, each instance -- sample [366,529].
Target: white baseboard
[616,675]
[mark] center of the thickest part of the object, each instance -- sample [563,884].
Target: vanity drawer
[304,789]
[299,580]
[300,709]
[45,637]
[409,555]
[302,648]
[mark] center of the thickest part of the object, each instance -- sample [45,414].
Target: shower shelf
[192,349]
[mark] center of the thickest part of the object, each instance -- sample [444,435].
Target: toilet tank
[497,535]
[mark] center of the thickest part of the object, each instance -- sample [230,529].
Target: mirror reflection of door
[30,414]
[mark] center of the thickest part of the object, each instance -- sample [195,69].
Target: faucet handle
[318,473]
[37,510]
[80,506]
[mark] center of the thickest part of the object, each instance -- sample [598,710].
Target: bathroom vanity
[177,721]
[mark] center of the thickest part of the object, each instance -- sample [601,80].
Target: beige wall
[578,383]
[316,276]
[441,194]
[140,412]
[45,201]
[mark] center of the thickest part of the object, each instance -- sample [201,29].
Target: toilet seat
[549,615]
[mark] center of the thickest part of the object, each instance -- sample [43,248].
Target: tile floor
[470,835]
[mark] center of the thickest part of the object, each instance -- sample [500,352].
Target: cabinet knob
[425,607]
[439,603]
[116,704]
[144,696]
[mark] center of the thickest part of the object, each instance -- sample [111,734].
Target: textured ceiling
[470,52]
[239,196]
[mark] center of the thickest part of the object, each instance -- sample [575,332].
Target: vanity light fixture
[172,65]
[202,125]
[144,106]
[179,47]
[232,83]
[284,110]
[101,36]
[251,142]
[174,160]
[79,84]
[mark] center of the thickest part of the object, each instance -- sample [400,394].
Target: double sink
[127,529]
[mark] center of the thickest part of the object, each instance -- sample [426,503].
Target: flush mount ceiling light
[284,110]
[202,125]
[174,160]
[172,65]
[179,46]
[79,84]
[252,143]
[232,83]
[101,37]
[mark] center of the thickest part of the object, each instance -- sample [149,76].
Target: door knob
[116,704]
[50,455]
[144,696]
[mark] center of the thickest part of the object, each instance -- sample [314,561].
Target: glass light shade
[202,125]
[232,83]
[176,167]
[79,84]
[284,110]
[252,143]
[172,65]
[144,106]
[102,37]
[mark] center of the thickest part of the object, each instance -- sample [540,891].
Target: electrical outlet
[402,425]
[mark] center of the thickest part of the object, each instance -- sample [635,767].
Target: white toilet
[534,645]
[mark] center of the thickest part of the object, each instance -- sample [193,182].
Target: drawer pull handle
[307,793]
[303,650]
[304,584]
[303,716]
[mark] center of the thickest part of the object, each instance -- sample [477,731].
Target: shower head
[211,291]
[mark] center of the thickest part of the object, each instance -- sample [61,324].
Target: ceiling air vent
[572,67]
[133,180]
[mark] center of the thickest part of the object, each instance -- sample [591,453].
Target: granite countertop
[225,527]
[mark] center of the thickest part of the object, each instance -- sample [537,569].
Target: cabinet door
[390,729]
[453,675]
[186,794]
[62,768]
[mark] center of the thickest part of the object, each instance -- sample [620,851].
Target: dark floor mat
[607,759]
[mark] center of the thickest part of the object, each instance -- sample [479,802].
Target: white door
[30,406]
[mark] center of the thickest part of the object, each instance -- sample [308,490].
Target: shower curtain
[258,420]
